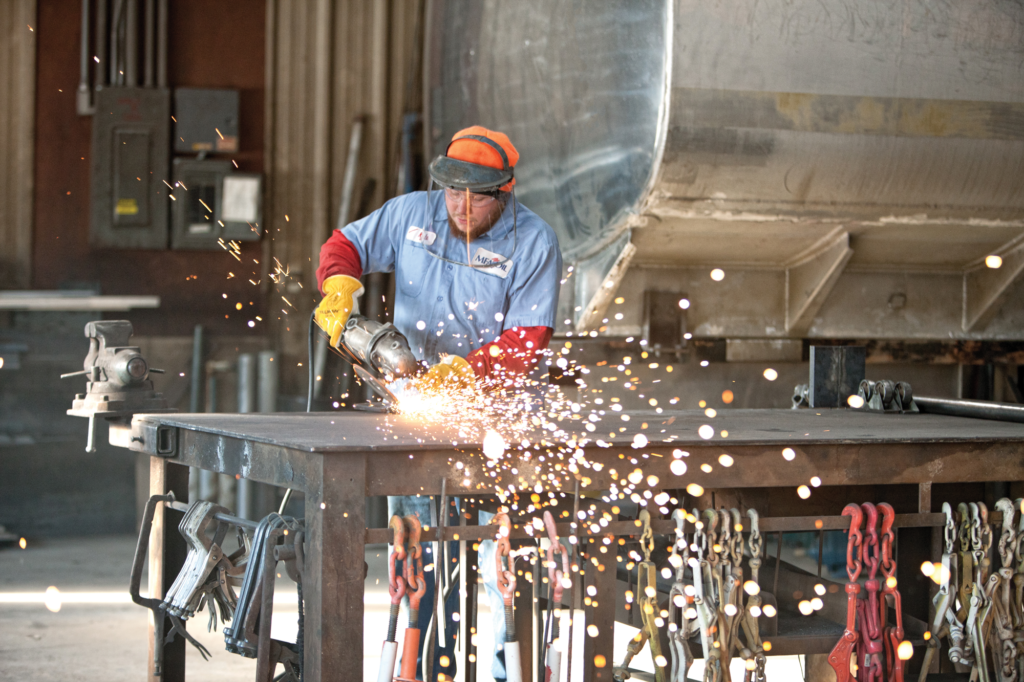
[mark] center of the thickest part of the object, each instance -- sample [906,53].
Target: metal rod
[149,48]
[786,524]
[84,98]
[161,43]
[821,548]
[100,78]
[197,369]
[226,518]
[348,183]
[975,409]
[131,39]
[439,566]
[246,404]
[113,63]
[778,566]
[572,587]
[538,617]
[269,376]
[320,364]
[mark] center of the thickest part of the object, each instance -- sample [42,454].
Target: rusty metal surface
[334,568]
[366,432]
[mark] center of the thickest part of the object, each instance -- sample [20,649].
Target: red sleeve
[518,350]
[338,256]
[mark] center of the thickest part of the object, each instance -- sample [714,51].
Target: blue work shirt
[445,308]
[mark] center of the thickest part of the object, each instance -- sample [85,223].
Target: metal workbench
[339,458]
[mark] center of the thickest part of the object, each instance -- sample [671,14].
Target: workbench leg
[602,577]
[334,570]
[167,552]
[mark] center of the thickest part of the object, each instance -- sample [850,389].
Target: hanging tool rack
[338,460]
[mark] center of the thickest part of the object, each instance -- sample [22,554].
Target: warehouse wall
[48,485]
[218,44]
[17,88]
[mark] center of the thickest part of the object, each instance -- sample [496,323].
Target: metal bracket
[810,276]
[985,288]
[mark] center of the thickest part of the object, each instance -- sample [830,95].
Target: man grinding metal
[474,270]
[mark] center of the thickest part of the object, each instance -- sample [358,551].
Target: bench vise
[118,378]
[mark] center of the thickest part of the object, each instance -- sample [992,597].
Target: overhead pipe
[131,39]
[102,31]
[161,43]
[246,405]
[83,101]
[150,36]
[114,60]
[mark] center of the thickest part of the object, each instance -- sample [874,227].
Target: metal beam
[810,276]
[598,303]
[985,288]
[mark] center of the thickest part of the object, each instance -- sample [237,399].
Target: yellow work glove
[453,372]
[338,303]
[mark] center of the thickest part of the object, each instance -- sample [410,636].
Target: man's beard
[482,228]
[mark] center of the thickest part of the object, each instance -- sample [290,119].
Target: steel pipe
[84,100]
[246,404]
[161,43]
[100,78]
[975,409]
[149,44]
[131,48]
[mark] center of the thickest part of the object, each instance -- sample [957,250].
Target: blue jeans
[489,572]
[420,505]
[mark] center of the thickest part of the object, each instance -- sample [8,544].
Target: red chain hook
[892,636]
[555,574]
[868,610]
[417,584]
[506,576]
[396,583]
[840,657]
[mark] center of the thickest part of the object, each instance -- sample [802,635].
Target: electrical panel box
[205,120]
[130,164]
[214,202]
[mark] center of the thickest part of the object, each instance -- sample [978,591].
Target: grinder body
[380,354]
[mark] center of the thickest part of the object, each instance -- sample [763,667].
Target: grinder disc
[390,401]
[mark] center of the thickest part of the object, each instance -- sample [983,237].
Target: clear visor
[471,229]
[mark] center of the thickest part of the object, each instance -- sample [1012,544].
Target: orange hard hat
[467,146]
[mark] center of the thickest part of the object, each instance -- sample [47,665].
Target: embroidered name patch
[491,263]
[418,234]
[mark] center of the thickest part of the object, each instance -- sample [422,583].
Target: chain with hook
[505,568]
[1001,638]
[868,610]
[679,648]
[892,635]
[841,655]
[753,605]
[396,582]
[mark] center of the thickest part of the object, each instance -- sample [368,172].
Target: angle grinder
[380,355]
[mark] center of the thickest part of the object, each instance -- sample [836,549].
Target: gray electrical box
[214,202]
[206,120]
[130,163]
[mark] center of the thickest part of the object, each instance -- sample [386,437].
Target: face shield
[469,220]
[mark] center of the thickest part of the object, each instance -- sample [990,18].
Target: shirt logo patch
[491,263]
[418,234]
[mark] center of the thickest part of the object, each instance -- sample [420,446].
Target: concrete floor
[98,634]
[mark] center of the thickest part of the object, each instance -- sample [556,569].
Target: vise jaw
[118,378]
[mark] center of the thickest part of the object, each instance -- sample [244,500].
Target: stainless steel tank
[808,144]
